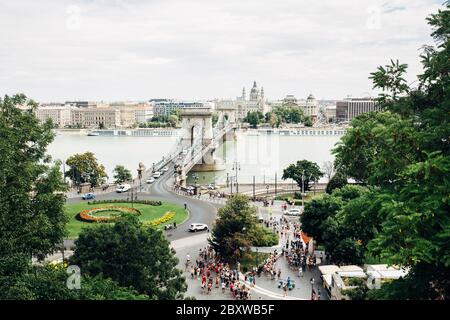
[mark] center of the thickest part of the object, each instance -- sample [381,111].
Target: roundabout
[153,214]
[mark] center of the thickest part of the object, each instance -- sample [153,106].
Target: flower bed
[166,217]
[149,202]
[87,215]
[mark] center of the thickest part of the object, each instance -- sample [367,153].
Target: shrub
[148,202]
[166,217]
[263,237]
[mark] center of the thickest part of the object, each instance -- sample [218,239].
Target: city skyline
[133,50]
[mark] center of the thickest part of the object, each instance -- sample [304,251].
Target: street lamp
[236,167]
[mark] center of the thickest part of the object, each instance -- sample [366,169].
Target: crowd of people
[215,274]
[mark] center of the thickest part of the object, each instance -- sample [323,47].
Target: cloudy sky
[203,49]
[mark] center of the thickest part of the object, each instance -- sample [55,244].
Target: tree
[303,172]
[308,122]
[328,169]
[232,234]
[32,220]
[172,120]
[254,118]
[131,255]
[121,174]
[49,282]
[85,168]
[215,118]
[316,212]
[404,151]
[339,180]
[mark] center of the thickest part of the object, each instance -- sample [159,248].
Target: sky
[114,50]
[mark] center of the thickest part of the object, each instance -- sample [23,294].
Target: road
[199,211]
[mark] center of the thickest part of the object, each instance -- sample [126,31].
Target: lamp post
[236,167]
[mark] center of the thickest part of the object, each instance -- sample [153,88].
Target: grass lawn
[148,213]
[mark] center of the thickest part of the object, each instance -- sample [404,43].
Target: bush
[149,202]
[263,237]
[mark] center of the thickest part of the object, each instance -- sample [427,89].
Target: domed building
[256,102]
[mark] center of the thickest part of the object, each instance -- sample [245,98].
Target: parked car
[88,196]
[123,188]
[165,169]
[150,180]
[293,212]
[198,227]
[212,187]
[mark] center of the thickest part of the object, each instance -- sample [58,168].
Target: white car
[150,180]
[165,169]
[293,212]
[123,188]
[157,174]
[198,227]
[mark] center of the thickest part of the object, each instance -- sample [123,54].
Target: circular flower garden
[111,213]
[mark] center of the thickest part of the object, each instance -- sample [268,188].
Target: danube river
[260,156]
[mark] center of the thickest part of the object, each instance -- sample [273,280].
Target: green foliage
[339,180]
[254,118]
[142,201]
[404,152]
[231,236]
[316,212]
[122,174]
[49,282]
[359,292]
[32,217]
[131,255]
[215,118]
[260,236]
[305,171]
[85,168]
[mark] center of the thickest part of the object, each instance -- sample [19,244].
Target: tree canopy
[133,256]
[122,174]
[403,152]
[303,172]
[84,168]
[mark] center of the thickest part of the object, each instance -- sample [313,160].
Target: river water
[260,156]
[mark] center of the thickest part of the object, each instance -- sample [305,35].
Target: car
[157,174]
[194,227]
[150,180]
[165,169]
[212,187]
[88,196]
[293,212]
[260,219]
[123,188]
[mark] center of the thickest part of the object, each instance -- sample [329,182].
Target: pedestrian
[285,289]
[300,272]
[279,273]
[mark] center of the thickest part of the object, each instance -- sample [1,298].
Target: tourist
[285,289]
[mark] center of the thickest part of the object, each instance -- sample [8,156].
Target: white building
[309,106]
[350,108]
[96,117]
[59,114]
